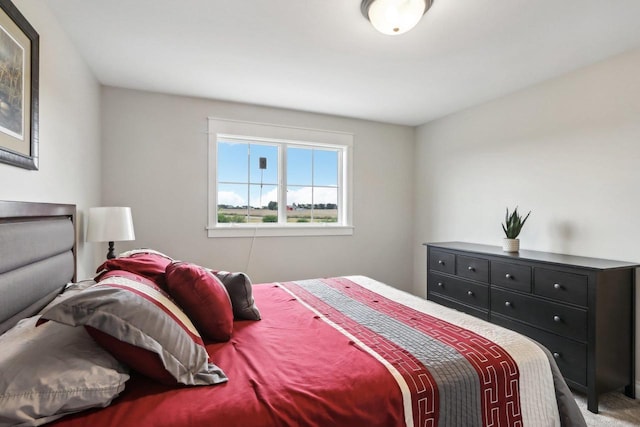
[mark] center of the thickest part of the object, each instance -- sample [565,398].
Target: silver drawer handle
[508,276]
[556,286]
[507,303]
[470,293]
[440,284]
[556,355]
[470,268]
[441,262]
[556,318]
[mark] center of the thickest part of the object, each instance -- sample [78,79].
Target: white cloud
[230,198]
[270,196]
[320,195]
[299,196]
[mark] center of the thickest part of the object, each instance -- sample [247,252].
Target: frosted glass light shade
[110,224]
[394,17]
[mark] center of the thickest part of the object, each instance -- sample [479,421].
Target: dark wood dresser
[581,309]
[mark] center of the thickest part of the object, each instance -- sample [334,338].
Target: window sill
[279,231]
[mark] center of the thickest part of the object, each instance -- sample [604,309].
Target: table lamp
[110,224]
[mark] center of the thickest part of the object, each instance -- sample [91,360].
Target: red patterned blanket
[351,352]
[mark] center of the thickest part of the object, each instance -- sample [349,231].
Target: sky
[312,174]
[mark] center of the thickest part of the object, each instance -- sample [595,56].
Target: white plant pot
[510,245]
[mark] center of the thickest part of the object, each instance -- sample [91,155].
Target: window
[269,180]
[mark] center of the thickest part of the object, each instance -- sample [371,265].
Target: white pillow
[52,370]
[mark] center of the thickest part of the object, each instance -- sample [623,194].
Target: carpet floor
[615,410]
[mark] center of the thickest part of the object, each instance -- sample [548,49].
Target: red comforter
[288,369]
[331,353]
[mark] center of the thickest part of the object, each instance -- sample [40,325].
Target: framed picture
[19,67]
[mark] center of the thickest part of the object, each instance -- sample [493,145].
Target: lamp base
[111,254]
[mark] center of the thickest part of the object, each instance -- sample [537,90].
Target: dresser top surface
[528,255]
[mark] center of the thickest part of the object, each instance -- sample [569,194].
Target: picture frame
[19,80]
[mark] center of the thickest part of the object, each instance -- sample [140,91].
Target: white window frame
[291,136]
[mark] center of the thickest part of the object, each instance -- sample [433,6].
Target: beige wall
[567,149]
[155,160]
[69,130]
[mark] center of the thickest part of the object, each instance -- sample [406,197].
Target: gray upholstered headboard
[37,256]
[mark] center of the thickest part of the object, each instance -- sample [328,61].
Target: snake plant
[513,223]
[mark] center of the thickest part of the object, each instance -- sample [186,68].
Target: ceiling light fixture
[394,17]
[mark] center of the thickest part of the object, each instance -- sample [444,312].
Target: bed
[342,351]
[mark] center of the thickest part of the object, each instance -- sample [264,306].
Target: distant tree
[273,206]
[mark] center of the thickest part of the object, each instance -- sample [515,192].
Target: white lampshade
[110,224]
[394,17]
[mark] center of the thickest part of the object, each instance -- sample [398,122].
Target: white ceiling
[323,56]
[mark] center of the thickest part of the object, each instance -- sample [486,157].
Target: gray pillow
[241,294]
[52,370]
[138,323]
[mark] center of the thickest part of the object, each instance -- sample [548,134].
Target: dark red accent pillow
[203,297]
[144,361]
[149,265]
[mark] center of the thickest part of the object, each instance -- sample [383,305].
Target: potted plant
[512,226]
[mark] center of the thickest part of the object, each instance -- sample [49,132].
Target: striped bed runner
[449,376]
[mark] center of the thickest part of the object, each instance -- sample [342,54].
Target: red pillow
[149,265]
[203,297]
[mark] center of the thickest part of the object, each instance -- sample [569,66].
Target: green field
[268,215]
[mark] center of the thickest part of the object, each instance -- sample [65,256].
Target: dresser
[581,309]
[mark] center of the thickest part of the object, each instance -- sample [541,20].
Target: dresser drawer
[570,356]
[442,261]
[557,318]
[472,268]
[468,293]
[456,305]
[513,276]
[561,286]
